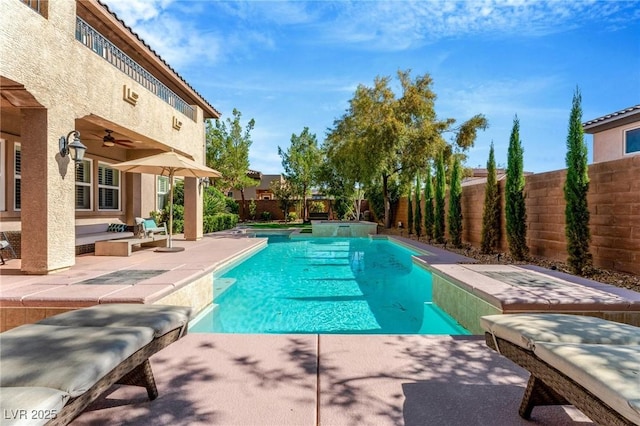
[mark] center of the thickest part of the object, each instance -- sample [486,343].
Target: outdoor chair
[148,226]
[588,362]
[6,245]
[61,364]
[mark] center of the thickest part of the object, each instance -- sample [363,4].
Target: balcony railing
[95,41]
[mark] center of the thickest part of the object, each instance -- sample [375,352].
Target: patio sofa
[87,235]
[588,362]
[52,370]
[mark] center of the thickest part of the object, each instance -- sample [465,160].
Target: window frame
[625,134]
[90,161]
[161,180]
[17,177]
[117,188]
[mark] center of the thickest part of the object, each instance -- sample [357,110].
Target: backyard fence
[614,204]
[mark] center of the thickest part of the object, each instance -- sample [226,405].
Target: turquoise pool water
[326,285]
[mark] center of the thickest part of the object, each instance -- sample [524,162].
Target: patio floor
[350,380]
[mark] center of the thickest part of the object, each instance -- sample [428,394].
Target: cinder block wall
[614,204]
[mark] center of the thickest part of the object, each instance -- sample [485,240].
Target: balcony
[95,41]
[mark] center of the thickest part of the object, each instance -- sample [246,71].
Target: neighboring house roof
[615,119]
[209,110]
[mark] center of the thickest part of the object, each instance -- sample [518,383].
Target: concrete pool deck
[345,380]
[228,379]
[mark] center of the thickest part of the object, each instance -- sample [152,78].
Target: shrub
[316,207]
[515,208]
[266,216]
[441,187]
[253,209]
[455,206]
[491,214]
[409,214]
[429,215]
[292,216]
[417,222]
[576,188]
[219,222]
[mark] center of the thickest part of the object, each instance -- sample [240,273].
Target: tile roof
[614,116]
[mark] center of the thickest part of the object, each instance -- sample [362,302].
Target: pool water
[326,285]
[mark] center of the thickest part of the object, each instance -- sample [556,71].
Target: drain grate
[125,277]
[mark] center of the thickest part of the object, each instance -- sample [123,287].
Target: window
[108,188]
[632,141]
[3,173]
[17,166]
[83,185]
[163,192]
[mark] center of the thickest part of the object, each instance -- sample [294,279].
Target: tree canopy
[227,150]
[301,163]
[383,136]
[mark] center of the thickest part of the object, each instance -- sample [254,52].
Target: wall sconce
[75,149]
[204,182]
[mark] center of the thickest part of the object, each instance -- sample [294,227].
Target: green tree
[491,214]
[409,213]
[515,208]
[227,149]
[417,221]
[441,189]
[455,206]
[285,193]
[392,137]
[301,164]
[576,188]
[429,214]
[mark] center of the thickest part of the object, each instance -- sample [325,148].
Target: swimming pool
[326,285]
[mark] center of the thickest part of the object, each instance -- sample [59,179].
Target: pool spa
[326,285]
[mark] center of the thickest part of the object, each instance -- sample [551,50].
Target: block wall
[614,204]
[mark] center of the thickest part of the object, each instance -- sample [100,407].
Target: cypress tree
[576,188]
[491,214]
[428,205]
[417,221]
[409,214]
[441,188]
[515,208]
[455,205]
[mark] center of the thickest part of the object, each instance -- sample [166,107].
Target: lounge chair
[591,363]
[63,363]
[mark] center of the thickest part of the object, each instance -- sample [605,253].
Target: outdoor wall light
[204,182]
[75,149]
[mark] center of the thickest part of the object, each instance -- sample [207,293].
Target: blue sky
[296,64]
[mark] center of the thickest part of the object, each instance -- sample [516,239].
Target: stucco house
[615,135]
[72,69]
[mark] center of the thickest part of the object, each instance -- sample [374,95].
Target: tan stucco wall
[609,144]
[71,82]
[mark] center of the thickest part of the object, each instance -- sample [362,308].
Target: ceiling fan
[108,140]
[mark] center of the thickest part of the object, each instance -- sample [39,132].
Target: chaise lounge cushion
[71,359]
[525,330]
[160,318]
[30,405]
[610,372]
